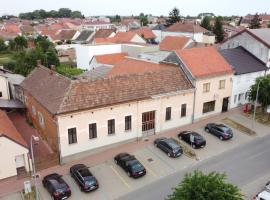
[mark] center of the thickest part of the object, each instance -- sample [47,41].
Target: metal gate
[148,123]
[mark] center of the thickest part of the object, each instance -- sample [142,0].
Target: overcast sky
[129,7]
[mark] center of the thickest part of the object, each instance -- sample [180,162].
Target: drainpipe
[194,100]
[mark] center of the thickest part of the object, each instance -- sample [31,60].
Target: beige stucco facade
[214,94]
[12,156]
[4,87]
[81,121]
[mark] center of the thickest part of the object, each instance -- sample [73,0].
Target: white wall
[214,94]
[138,39]
[241,85]
[4,87]
[84,53]
[81,120]
[198,37]
[251,44]
[8,151]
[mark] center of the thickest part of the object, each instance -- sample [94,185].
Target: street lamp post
[35,138]
[255,105]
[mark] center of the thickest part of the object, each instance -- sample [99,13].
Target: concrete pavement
[246,166]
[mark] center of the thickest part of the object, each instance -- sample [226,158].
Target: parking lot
[114,181]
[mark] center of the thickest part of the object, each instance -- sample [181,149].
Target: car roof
[78,166]
[172,143]
[222,126]
[52,176]
[264,194]
[85,172]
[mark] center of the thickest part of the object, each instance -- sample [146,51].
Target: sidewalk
[12,184]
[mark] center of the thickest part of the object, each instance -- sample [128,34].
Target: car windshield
[61,188]
[136,166]
[90,180]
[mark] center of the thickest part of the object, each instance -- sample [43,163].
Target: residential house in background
[211,75]
[147,34]
[256,41]
[104,33]
[246,68]
[189,29]
[14,150]
[128,24]
[157,30]
[79,120]
[122,37]
[106,59]
[172,43]
[84,37]
[96,25]
[10,91]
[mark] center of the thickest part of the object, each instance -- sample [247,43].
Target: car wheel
[169,154]
[193,146]
[128,174]
[207,130]
[220,137]
[115,161]
[155,145]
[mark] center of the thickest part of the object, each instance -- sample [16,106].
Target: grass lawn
[5,58]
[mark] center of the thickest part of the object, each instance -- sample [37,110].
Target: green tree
[76,14]
[255,22]
[218,29]
[264,94]
[3,46]
[174,17]
[206,23]
[11,45]
[51,58]
[201,186]
[26,60]
[20,43]
[64,12]
[43,43]
[144,20]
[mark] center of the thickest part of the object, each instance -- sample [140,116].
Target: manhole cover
[150,160]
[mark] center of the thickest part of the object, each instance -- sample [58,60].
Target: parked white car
[264,195]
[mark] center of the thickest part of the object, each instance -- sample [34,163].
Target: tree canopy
[264,94]
[3,46]
[255,22]
[200,186]
[218,29]
[174,17]
[42,14]
[206,23]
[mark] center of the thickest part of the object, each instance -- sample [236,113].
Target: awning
[11,104]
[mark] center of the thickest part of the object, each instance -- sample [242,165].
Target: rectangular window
[92,131]
[235,98]
[246,95]
[128,123]
[183,110]
[221,84]
[209,106]
[72,135]
[206,87]
[168,113]
[111,126]
[1,95]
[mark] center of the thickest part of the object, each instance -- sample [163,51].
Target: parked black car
[56,186]
[130,164]
[84,178]
[169,146]
[198,141]
[221,131]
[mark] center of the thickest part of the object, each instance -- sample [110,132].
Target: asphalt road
[243,165]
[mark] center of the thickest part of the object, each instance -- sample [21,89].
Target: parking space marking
[148,169]
[121,178]
[162,159]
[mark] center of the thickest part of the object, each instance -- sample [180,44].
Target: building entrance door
[225,104]
[148,123]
